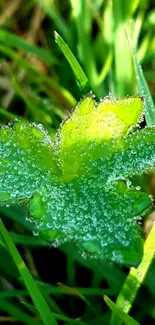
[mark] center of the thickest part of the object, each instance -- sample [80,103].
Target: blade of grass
[105,69]
[121,314]
[64,318]
[32,309]
[70,320]
[16,312]
[37,298]
[52,304]
[60,317]
[13,293]
[122,55]
[143,87]
[6,262]
[34,72]
[112,273]
[77,293]
[9,115]
[17,214]
[135,278]
[84,291]
[56,291]
[28,240]
[35,104]
[17,88]
[81,12]
[17,42]
[53,13]
[80,76]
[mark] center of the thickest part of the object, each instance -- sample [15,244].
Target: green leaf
[124,317]
[138,154]
[143,88]
[80,76]
[93,128]
[12,40]
[26,153]
[78,188]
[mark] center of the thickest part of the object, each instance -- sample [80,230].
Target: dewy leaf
[137,155]
[93,129]
[26,154]
[78,188]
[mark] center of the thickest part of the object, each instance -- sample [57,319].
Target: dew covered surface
[23,150]
[95,131]
[137,155]
[78,188]
[95,218]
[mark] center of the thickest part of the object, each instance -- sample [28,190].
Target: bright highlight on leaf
[93,128]
[78,187]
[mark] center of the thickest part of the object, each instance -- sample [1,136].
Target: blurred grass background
[37,84]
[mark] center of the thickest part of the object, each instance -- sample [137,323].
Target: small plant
[78,187]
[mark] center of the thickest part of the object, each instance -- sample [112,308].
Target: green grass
[42,77]
[36,296]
